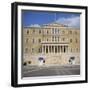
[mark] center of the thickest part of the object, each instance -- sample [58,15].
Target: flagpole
[55,17]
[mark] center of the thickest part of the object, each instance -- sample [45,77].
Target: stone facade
[55,43]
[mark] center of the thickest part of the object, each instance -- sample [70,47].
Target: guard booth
[41,61]
[72,60]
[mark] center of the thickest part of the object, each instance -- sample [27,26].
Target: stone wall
[52,59]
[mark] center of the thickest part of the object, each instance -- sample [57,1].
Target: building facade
[57,44]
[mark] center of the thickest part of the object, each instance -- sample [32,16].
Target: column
[54,48]
[60,49]
[45,49]
[51,49]
[48,49]
[66,48]
[63,49]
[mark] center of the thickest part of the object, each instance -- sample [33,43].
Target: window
[53,30]
[70,32]
[47,39]
[39,50]
[76,40]
[52,38]
[58,39]
[27,40]
[55,38]
[76,49]
[39,31]
[39,40]
[26,50]
[63,39]
[27,31]
[32,50]
[33,41]
[70,40]
[47,31]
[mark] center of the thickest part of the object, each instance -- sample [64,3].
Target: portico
[54,48]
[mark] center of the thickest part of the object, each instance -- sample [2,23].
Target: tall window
[33,31]
[26,40]
[39,40]
[39,50]
[32,50]
[76,40]
[70,40]
[33,41]
[55,38]
[70,32]
[26,50]
[58,39]
[47,39]
[27,31]
[77,50]
[39,31]
[53,30]
[52,38]
[63,39]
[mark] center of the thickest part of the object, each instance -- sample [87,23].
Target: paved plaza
[34,71]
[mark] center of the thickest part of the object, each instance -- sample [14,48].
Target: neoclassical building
[55,43]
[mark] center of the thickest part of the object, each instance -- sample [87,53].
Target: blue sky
[36,18]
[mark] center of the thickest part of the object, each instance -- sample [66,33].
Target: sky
[37,18]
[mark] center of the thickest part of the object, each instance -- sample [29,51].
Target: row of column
[54,49]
